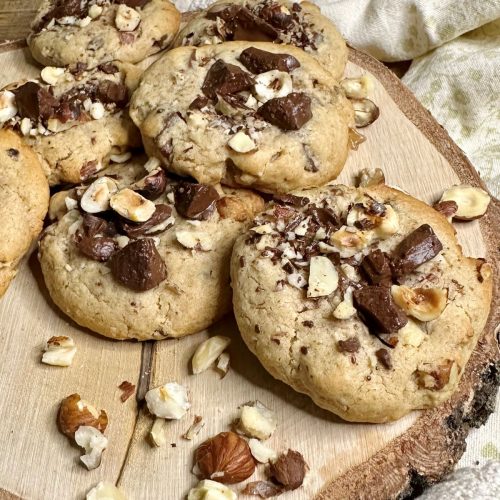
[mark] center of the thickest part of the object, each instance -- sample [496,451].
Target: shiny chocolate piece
[94,239]
[376,266]
[260,61]
[195,201]
[277,16]
[108,68]
[199,102]
[248,27]
[133,3]
[34,102]
[110,92]
[377,309]
[138,266]
[384,358]
[417,248]
[64,8]
[154,185]
[288,113]
[134,230]
[291,199]
[224,78]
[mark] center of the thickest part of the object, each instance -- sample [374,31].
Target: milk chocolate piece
[34,102]
[248,27]
[384,358]
[417,248]
[111,92]
[134,230]
[94,238]
[376,267]
[275,15]
[154,185]
[199,102]
[224,78]
[291,199]
[350,345]
[260,61]
[377,309]
[288,113]
[63,8]
[195,201]
[93,226]
[138,266]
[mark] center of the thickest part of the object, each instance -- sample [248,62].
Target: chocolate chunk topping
[94,239]
[138,266]
[224,78]
[34,102]
[276,16]
[384,358]
[63,8]
[93,226]
[133,3]
[154,185]
[288,113]
[108,68]
[13,153]
[351,345]
[291,199]
[111,92]
[324,217]
[200,102]
[88,170]
[417,248]
[161,214]
[195,201]
[376,267]
[260,61]
[289,470]
[248,27]
[377,309]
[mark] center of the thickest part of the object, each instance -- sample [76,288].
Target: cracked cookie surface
[258,115]
[25,196]
[67,32]
[361,299]
[281,22]
[164,276]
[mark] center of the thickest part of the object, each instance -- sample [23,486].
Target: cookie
[257,115]
[281,22]
[74,120]
[361,299]
[140,256]
[92,32]
[24,195]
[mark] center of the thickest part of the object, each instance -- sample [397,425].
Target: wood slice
[346,460]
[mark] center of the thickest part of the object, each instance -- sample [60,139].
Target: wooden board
[346,460]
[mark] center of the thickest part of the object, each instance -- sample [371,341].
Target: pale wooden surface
[15,17]
[38,463]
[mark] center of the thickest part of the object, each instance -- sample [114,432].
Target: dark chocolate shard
[153,185]
[248,27]
[94,239]
[110,92]
[260,61]
[384,358]
[376,266]
[138,266]
[288,113]
[195,201]
[224,78]
[351,345]
[378,310]
[291,199]
[418,247]
[277,16]
[34,102]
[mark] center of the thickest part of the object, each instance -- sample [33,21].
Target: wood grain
[16,17]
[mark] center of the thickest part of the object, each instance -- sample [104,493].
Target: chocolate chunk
[276,16]
[200,102]
[133,3]
[13,153]
[94,239]
[248,27]
[111,92]
[296,7]
[93,226]
[78,69]
[376,267]
[63,8]
[138,266]
[308,324]
[324,217]
[195,201]
[260,61]
[289,470]
[417,248]
[351,345]
[291,199]
[108,68]
[88,170]
[153,185]
[224,78]
[134,230]
[384,358]
[288,113]
[377,309]
[34,102]
[224,11]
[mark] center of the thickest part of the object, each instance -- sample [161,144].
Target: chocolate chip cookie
[360,298]
[92,32]
[135,255]
[75,120]
[277,21]
[249,114]
[24,195]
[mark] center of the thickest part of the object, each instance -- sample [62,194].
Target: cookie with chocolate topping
[369,320]
[93,32]
[247,114]
[129,267]
[74,120]
[277,21]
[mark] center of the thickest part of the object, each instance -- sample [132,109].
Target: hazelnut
[97,196]
[194,428]
[345,309]
[207,353]
[105,490]
[210,490]
[357,88]
[223,364]
[132,205]
[289,470]
[323,277]
[195,241]
[242,143]
[365,112]
[225,458]
[446,208]
[256,420]
[8,108]
[51,74]
[158,434]
[59,351]
[348,241]
[261,452]
[371,177]
[93,442]
[272,84]
[168,401]
[127,18]
[472,202]
[97,110]
[95,11]
[424,304]
[121,158]
[74,412]
[434,378]
[59,204]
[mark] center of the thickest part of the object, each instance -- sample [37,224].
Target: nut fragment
[51,74]
[263,489]
[93,442]
[97,110]
[261,452]
[58,206]
[257,420]
[59,351]
[345,309]
[436,377]
[132,205]
[225,458]
[357,88]
[168,401]
[207,353]
[323,277]
[8,108]
[424,304]
[105,490]
[272,84]
[97,196]
[371,177]
[75,412]
[195,241]
[289,470]
[127,19]
[195,428]
[122,158]
[447,208]
[472,202]
[241,143]
[223,364]
[158,434]
[128,389]
[211,490]
[348,241]
[365,112]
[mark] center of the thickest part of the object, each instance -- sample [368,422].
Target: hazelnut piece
[289,470]
[207,353]
[365,112]
[357,88]
[210,490]
[257,420]
[472,202]
[424,304]
[225,458]
[371,177]
[105,490]
[323,277]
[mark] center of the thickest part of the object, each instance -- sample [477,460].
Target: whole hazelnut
[289,470]
[74,412]
[225,458]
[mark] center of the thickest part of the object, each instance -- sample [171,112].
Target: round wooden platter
[346,460]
